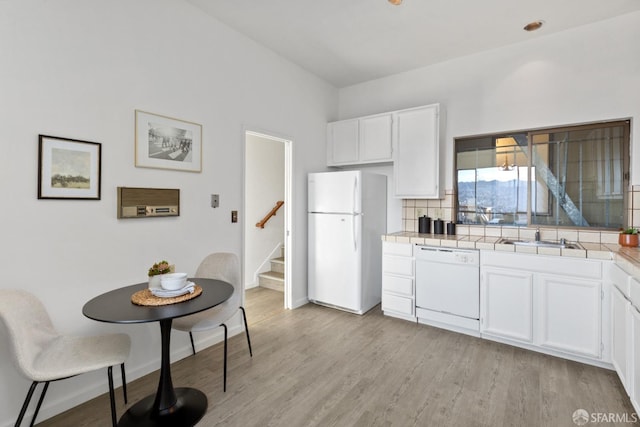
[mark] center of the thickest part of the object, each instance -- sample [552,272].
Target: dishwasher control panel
[464,258]
[447,255]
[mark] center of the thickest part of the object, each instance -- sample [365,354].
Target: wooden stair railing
[273,211]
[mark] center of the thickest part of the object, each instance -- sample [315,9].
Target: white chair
[42,355]
[222,266]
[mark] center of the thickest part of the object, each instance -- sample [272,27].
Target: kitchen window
[574,176]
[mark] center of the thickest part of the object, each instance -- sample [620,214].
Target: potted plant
[628,237]
[157,270]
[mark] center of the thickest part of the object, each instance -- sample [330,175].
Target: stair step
[277,265]
[271,280]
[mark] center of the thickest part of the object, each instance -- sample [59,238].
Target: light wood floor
[316,366]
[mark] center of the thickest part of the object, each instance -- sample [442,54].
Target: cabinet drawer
[397,265]
[401,249]
[397,285]
[398,304]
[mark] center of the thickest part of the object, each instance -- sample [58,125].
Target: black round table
[168,407]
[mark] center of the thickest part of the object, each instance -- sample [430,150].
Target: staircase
[273,279]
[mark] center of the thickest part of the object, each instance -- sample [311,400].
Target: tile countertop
[627,258]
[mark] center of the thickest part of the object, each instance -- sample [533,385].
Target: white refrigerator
[347,217]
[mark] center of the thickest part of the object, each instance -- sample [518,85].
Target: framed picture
[68,168]
[166,143]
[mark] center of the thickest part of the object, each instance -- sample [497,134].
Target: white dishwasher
[448,288]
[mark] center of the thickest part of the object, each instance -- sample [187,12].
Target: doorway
[267,181]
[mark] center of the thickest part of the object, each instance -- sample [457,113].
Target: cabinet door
[342,142]
[619,328]
[375,139]
[570,315]
[506,304]
[416,167]
[634,369]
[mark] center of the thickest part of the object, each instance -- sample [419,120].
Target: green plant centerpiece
[157,270]
[629,237]
[162,267]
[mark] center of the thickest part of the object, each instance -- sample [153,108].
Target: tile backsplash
[443,209]
[434,209]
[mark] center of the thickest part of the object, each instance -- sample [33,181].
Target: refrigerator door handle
[355,194]
[353,231]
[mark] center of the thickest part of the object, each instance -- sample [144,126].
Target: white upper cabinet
[409,138]
[416,168]
[360,141]
[376,138]
[342,142]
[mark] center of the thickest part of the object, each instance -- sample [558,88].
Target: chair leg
[112,397]
[124,383]
[25,405]
[193,347]
[246,330]
[224,387]
[35,414]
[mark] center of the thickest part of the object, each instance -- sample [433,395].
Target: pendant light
[505,167]
[395,2]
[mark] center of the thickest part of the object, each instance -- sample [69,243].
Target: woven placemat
[145,297]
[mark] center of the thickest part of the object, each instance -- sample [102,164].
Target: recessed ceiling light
[532,26]
[395,2]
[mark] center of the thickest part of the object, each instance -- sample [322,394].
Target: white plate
[163,293]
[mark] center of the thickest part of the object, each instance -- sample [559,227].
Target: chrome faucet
[537,237]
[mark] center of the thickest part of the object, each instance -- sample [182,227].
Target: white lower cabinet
[506,308]
[634,366]
[625,332]
[398,280]
[570,315]
[620,336]
[545,303]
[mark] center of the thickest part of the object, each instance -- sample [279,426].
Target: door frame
[288,197]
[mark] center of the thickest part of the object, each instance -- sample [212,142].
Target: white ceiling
[351,41]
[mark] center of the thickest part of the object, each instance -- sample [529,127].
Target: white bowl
[173,281]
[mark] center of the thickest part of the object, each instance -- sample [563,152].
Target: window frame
[529,133]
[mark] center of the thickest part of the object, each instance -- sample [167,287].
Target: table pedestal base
[188,410]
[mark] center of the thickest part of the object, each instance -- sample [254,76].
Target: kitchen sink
[562,244]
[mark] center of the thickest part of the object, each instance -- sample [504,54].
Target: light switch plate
[215,200]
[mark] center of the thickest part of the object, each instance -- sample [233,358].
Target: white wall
[79,69]
[586,74]
[264,186]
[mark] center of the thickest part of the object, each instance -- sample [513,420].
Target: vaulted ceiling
[351,41]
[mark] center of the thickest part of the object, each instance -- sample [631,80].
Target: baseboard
[52,407]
